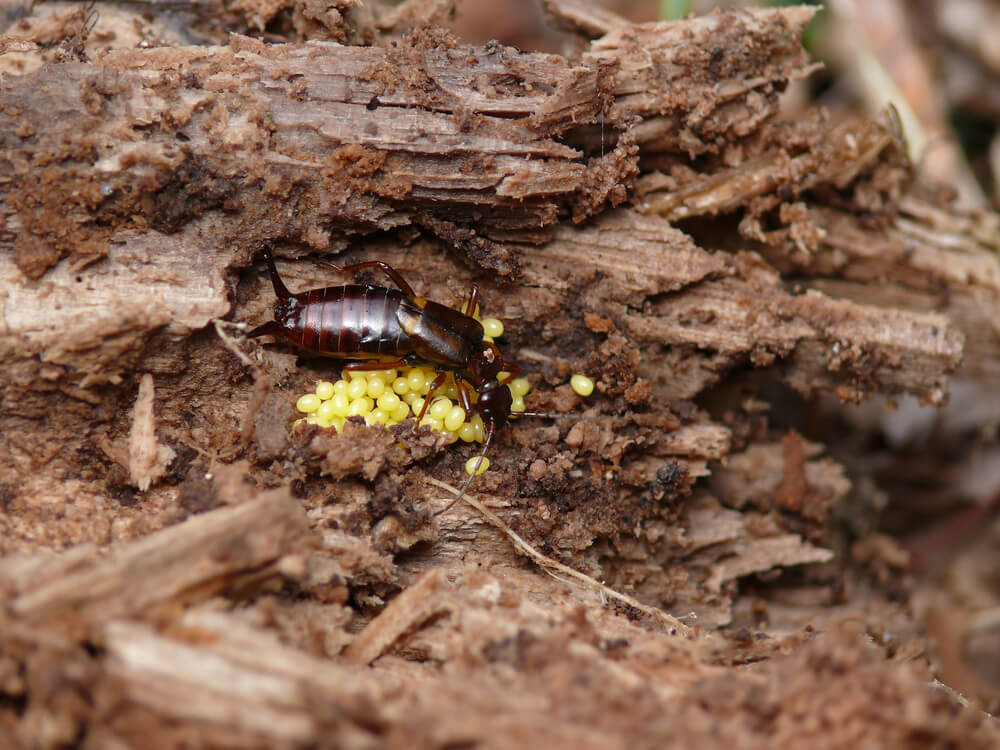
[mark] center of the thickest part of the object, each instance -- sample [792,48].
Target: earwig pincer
[379,327]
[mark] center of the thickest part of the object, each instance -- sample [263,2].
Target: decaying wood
[148,458]
[187,562]
[636,212]
[243,127]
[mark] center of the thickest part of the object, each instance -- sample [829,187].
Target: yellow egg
[308,403]
[417,405]
[493,327]
[360,407]
[467,432]
[326,412]
[454,419]
[583,385]
[376,386]
[340,387]
[519,387]
[357,388]
[324,389]
[434,424]
[471,465]
[340,404]
[377,416]
[439,408]
[401,412]
[401,386]
[477,423]
[388,402]
[517,405]
[416,380]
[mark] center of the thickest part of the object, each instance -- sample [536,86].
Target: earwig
[378,328]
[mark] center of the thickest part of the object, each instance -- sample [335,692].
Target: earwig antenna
[543,414]
[473,474]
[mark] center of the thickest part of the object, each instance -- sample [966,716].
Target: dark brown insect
[380,327]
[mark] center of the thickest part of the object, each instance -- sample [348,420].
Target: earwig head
[494,403]
[485,365]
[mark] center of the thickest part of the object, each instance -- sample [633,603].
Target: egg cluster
[391,396]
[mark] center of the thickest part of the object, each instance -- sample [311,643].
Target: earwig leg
[271,328]
[470,304]
[279,286]
[463,395]
[510,367]
[389,271]
[490,429]
[435,384]
[362,365]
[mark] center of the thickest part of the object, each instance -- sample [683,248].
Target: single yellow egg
[388,402]
[340,404]
[429,421]
[357,388]
[376,386]
[417,405]
[416,380]
[454,419]
[583,385]
[519,387]
[401,386]
[376,416]
[470,465]
[308,403]
[493,327]
[401,412]
[324,389]
[326,412]
[360,407]
[439,408]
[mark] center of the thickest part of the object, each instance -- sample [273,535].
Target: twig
[231,343]
[672,623]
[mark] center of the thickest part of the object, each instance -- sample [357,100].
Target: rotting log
[138,187]
[153,138]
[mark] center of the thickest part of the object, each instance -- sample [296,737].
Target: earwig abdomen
[344,321]
[361,322]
